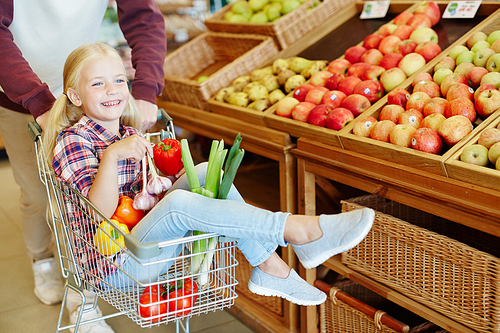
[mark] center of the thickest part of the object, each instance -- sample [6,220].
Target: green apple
[202,78]
[456,50]
[481,57]
[493,63]
[465,56]
[494,153]
[463,68]
[493,36]
[440,74]
[475,154]
[491,78]
[482,44]
[475,37]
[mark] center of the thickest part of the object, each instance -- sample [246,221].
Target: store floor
[21,311]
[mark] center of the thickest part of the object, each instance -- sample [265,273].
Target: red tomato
[150,306]
[180,300]
[188,286]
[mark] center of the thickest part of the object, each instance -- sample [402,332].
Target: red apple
[333,98]
[435,105]
[461,106]
[353,54]
[431,88]
[390,60]
[421,77]
[489,137]
[419,21]
[338,118]
[454,129]
[391,112]
[403,31]
[429,50]
[482,88]
[411,63]
[398,96]
[474,76]
[476,37]
[348,84]
[318,79]
[446,62]
[450,80]
[300,92]
[433,121]
[417,101]
[388,44]
[405,47]
[339,66]
[411,117]
[358,69]
[401,135]
[392,78]
[363,126]
[373,73]
[372,41]
[387,29]
[333,81]
[372,57]
[317,115]
[315,95]
[402,18]
[431,9]
[356,103]
[371,89]
[487,102]
[381,131]
[460,90]
[285,105]
[301,111]
[427,140]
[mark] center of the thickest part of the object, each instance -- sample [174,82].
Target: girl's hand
[134,147]
[177,175]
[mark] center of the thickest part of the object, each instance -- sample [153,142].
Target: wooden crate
[221,56]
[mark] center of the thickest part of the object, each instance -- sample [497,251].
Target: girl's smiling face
[102,91]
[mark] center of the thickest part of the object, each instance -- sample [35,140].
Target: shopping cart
[85,268]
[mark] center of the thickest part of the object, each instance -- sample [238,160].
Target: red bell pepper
[168,157]
[126,214]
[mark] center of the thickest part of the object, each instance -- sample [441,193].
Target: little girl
[94,146]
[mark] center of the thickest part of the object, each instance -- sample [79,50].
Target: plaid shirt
[77,155]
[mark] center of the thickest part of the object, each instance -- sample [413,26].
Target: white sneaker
[99,326]
[48,283]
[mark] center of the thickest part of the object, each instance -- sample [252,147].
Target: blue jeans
[259,231]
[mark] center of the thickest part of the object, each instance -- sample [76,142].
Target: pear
[279,65]
[219,96]
[284,75]
[241,79]
[273,11]
[298,64]
[270,82]
[238,98]
[289,5]
[276,95]
[315,67]
[258,74]
[237,18]
[249,86]
[243,8]
[259,17]
[257,5]
[293,82]
[228,15]
[258,91]
[229,91]
[260,104]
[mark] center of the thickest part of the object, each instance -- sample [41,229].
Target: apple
[440,74]
[461,106]
[495,46]
[317,115]
[339,66]
[482,56]
[401,135]
[301,91]
[431,88]
[456,50]
[348,84]
[421,77]
[466,56]
[405,46]
[301,111]
[392,78]
[398,96]
[403,31]
[402,18]
[371,89]
[422,35]
[429,50]
[493,36]
[356,103]
[475,37]
[431,9]
[388,44]
[491,78]
[285,105]
[353,54]
[338,118]
[489,137]
[463,68]
[333,81]
[417,101]
[390,60]
[454,129]
[474,76]
[373,73]
[446,62]
[381,130]
[450,80]
[482,88]
[419,21]
[487,102]
[435,105]
[372,41]
[479,45]
[433,121]
[363,125]
[411,63]
[318,79]
[427,140]
[333,98]
[475,154]
[391,112]
[460,90]
[315,95]
[493,63]
[411,117]
[372,56]
[358,69]
[387,29]
[494,153]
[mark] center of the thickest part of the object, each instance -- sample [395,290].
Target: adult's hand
[149,112]
[43,119]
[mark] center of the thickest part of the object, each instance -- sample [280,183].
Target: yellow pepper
[107,240]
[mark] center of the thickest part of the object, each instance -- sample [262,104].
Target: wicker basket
[242,275]
[446,275]
[287,29]
[220,56]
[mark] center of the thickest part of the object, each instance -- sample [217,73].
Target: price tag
[461,9]
[374,9]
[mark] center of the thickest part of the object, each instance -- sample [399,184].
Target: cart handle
[34,130]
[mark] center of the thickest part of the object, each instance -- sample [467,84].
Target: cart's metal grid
[85,268]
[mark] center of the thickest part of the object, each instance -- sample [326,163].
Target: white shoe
[48,284]
[99,326]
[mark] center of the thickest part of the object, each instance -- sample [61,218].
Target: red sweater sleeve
[143,26]
[20,84]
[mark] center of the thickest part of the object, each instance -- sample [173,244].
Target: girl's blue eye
[120,80]
[97,84]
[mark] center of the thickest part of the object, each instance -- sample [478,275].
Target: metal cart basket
[98,267]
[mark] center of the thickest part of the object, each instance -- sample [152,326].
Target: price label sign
[461,9]
[375,9]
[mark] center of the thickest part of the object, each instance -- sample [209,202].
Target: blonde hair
[63,113]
